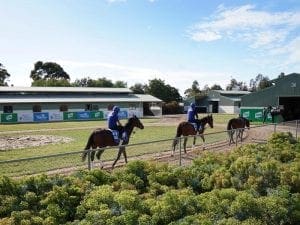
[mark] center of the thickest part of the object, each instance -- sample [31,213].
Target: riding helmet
[116,109]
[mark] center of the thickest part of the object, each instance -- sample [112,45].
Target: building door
[214,107]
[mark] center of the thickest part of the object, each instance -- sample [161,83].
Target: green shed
[283,94]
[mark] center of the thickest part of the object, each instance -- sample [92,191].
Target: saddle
[117,137]
[195,126]
[115,134]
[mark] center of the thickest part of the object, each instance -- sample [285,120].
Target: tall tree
[235,85]
[103,82]
[165,92]
[193,91]
[216,87]
[260,82]
[4,75]
[120,84]
[83,82]
[51,83]
[100,82]
[138,88]
[47,71]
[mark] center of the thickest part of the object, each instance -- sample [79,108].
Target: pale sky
[178,41]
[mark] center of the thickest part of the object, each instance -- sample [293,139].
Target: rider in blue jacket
[192,115]
[114,122]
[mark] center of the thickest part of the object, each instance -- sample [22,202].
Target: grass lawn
[79,132]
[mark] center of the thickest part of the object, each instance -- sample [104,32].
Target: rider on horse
[192,115]
[114,122]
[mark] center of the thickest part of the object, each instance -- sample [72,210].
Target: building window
[7,109]
[63,108]
[110,107]
[95,107]
[132,106]
[37,108]
[88,107]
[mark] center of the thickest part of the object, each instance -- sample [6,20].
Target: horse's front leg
[203,139]
[241,135]
[121,149]
[230,134]
[98,155]
[175,142]
[194,141]
[125,155]
[184,144]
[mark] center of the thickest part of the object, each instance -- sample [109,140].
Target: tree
[51,83]
[84,82]
[3,76]
[120,84]
[100,82]
[48,73]
[165,92]
[138,88]
[235,85]
[103,82]
[193,91]
[260,82]
[216,87]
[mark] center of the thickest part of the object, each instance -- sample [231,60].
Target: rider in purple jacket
[192,115]
[114,122]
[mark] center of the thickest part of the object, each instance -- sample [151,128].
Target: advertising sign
[25,117]
[55,116]
[246,114]
[97,115]
[83,115]
[40,116]
[69,116]
[123,115]
[134,112]
[9,117]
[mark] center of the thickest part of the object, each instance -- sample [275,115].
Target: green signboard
[9,117]
[97,115]
[256,115]
[70,116]
[253,114]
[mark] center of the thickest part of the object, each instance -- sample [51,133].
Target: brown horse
[185,129]
[103,137]
[237,124]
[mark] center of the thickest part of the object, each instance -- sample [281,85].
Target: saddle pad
[194,125]
[115,135]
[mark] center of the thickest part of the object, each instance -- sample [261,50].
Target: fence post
[89,159]
[236,136]
[179,151]
[296,129]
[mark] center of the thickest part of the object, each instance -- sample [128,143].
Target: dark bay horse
[185,129]
[103,137]
[237,123]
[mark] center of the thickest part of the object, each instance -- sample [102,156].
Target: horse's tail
[88,146]
[178,134]
[179,130]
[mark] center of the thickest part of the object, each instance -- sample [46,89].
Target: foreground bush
[254,184]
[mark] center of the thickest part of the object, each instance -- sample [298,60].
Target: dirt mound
[25,141]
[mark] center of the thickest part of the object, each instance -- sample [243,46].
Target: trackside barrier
[157,151]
